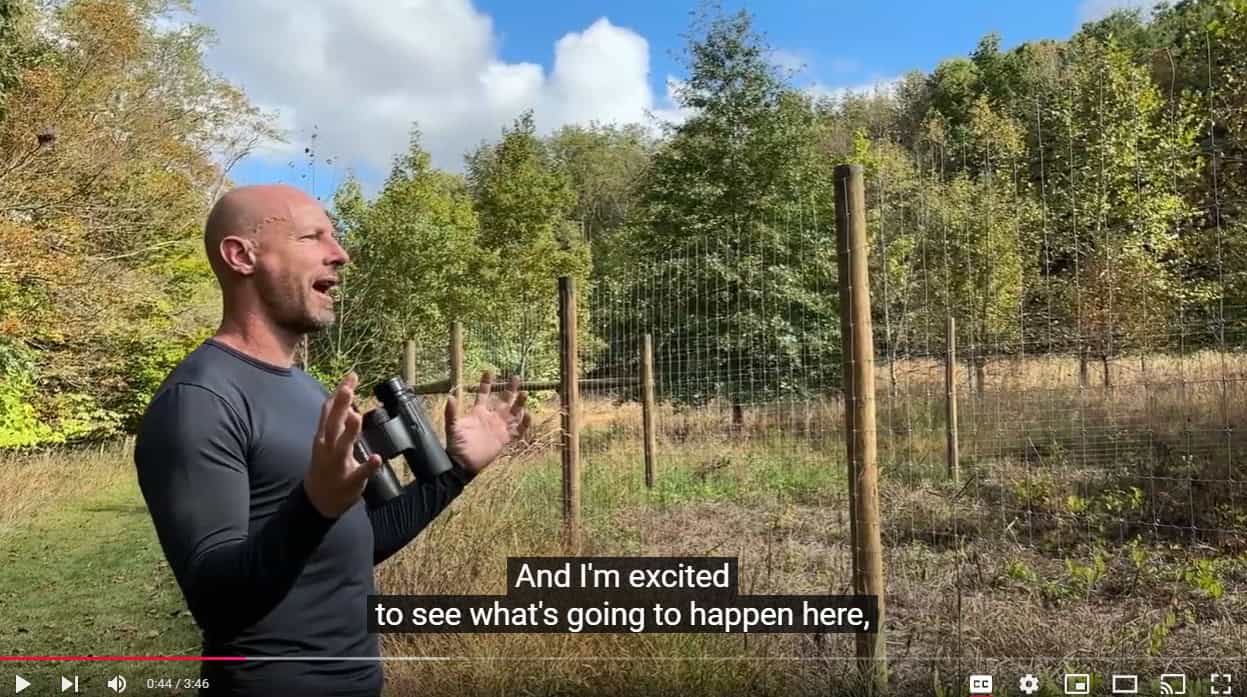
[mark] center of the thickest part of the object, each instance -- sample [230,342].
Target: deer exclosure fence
[858,388]
[1037,371]
[567,386]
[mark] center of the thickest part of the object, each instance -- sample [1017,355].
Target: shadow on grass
[127,509]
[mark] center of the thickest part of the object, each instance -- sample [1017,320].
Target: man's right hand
[336,480]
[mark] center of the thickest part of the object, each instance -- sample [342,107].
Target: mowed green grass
[86,577]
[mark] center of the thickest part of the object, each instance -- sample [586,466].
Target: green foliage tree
[1117,153]
[604,165]
[1202,71]
[102,117]
[415,267]
[733,272]
[525,201]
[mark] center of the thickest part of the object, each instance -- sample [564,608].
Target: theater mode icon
[1125,684]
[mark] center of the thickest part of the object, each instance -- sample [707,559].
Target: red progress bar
[122,658]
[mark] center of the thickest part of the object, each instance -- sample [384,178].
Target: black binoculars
[398,427]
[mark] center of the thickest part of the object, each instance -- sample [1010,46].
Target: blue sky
[490,58]
[844,42]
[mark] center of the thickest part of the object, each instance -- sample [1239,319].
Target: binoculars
[398,427]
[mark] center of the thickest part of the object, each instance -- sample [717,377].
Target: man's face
[297,264]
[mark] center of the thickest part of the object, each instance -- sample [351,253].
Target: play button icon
[19,684]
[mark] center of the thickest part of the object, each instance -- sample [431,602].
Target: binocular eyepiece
[398,427]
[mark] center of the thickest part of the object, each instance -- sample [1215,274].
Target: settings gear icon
[1028,684]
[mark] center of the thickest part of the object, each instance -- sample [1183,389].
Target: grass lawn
[86,577]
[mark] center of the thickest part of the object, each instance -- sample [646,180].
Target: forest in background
[1080,196]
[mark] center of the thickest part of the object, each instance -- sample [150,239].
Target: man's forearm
[234,585]
[402,518]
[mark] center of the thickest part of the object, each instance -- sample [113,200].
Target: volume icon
[117,683]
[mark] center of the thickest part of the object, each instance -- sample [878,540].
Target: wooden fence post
[456,362]
[569,374]
[950,398]
[409,362]
[647,406]
[858,344]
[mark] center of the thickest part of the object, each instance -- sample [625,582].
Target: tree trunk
[1082,367]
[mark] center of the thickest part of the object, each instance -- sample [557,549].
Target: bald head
[246,212]
[273,250]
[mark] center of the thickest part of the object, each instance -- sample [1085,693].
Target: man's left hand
[476,438]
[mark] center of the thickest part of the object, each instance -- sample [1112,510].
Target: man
[247,467]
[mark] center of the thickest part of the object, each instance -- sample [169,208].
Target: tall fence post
[456,361]
[950,398]
[569,375]
[647,406]
[409,362]
[858,346]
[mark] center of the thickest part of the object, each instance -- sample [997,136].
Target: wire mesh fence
[1059,387]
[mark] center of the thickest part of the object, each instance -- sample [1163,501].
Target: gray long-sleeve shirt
[221,456]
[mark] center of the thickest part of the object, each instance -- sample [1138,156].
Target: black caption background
[623,608]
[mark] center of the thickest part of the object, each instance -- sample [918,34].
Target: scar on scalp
[267,220]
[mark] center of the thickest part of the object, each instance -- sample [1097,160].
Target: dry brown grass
[966,576]
[1043,534]
[1022,374]
[32,485]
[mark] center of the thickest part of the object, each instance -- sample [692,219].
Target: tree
[1117,155]
[525,200]
[1201,72]
[101,116]
[735,243]
[604,166]
[415,267]
[893,209]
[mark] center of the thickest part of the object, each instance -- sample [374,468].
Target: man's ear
[238,253]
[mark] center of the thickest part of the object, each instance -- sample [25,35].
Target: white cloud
[836,93]
[358,74]
[1091,10]
[599,74]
